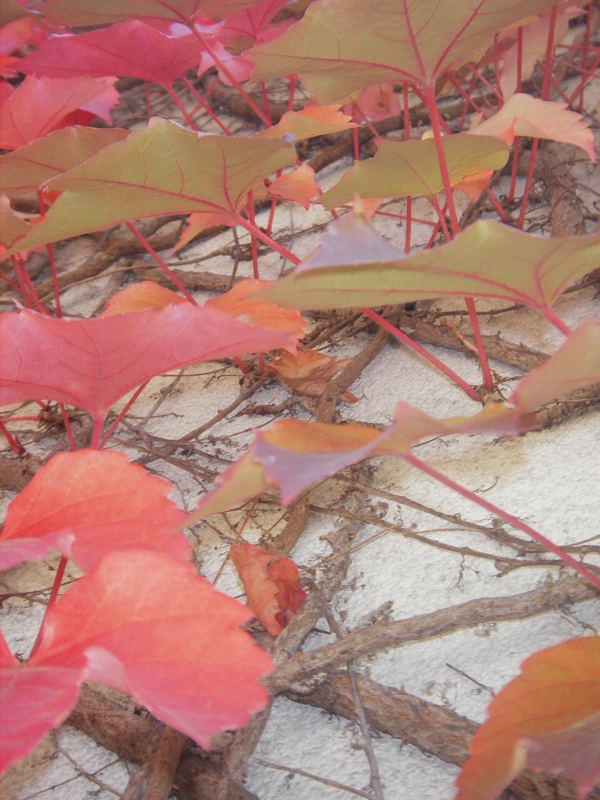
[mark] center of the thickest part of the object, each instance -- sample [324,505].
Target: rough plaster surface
[549,479]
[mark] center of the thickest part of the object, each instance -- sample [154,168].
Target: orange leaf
[309,371]
[312,120]
[138,296]
[200,221]
[545,718]
[239,303]
[271,585]
[299,186]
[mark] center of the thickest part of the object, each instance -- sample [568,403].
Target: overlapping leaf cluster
[140,620]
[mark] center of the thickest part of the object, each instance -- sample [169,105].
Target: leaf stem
[58,576]
[552,317]
[202,102]
[390,328]
[149,249]
[12,442]
[512,520]
[180,106]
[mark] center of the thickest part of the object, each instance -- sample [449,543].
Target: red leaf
[312,120]
[41,105]
[309,372]
[199,222]
[151,627]
[271,585]
[32,700]
[90,363]
[131,48]
[545,718]
[101,502]
[92,12]
[299,185]
[138,296]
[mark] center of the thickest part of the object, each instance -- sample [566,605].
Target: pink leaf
[32,700]
[41,105]
[90,363]
[102,503]
[130,48]
[150,626]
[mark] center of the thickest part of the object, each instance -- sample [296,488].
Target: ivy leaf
[28,167]
[199,222]
[91,363]
[32,700]
[299,186]
[163,169]
[294,454]
[399,169]
[340,46]
[354,267]
[308,372]
[553,705]
[573,366]
[149,626]
[524,115]
[139,296]
[133,49]
[271,585]
[241,304]
[41,105]
[102,503]
[312,120]
[89,12]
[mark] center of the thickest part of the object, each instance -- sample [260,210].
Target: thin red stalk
[463,114]
[271,215]
[468,99]
[12,442]
[266,239]
[28,289]
[291,90]
[494,201]
[488,85]
[386,325]
[552,317]
[496,60]
[406,110]
[96,434]
[558,88]
[584,79]
[12,284]
[67,425]
[202,102]
[50,253]
[586,43]
[397,215]
[515,151]
[252,236]
[355,146]
[121,414]
[534,148]
[60,571]
[368,122]
[147,96]
[263,89]
[179,105]
[498,512]
[549,50]
[225,70]
[148,247]
[437,135]
[441,218]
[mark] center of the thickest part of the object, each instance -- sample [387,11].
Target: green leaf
[399,169]
[163,169]
[340,46]
[354,267]
[25,169]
